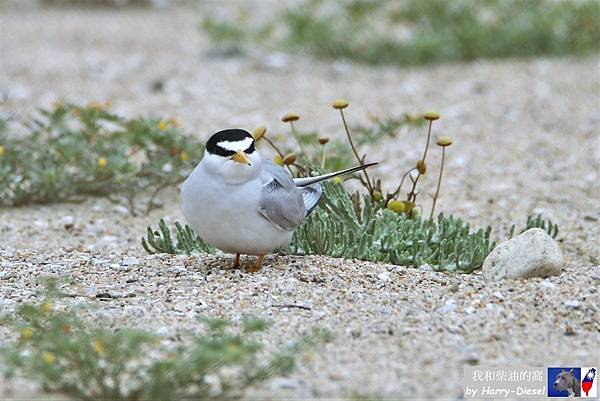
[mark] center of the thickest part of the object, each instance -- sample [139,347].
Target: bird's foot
[257,266]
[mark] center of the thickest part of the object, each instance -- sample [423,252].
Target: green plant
[71,152]
[86,361]
[378,236]
[416,32]
[537,222]
[187,241]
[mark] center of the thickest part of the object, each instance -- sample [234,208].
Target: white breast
[226,215]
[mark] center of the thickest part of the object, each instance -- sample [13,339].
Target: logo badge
[589,384]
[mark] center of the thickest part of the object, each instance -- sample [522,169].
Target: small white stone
[383,277]
[499,295]
[531,254]
[131,261]
[547,284]
[449,306]
[573,304]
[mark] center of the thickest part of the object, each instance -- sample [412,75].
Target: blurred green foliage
[66,354]
[70,152]
[416,32]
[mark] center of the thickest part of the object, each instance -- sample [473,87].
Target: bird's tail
[302,182]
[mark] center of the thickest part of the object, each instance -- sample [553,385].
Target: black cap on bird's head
[227,142]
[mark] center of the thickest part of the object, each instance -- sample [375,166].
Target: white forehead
[236,145]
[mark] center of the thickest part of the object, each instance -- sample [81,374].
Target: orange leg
[258,265]
[236,264]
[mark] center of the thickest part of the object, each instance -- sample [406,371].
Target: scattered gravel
[525,141]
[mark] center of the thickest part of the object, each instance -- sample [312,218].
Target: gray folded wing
[282,202]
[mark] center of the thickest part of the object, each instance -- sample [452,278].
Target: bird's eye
[250,149]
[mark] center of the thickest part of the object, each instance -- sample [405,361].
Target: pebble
[131,261]
[547,284]
[572,304]
[449,306]
[531,254]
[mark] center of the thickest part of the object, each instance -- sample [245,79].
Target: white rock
[383,277]
[131,261]
[531,254]
[547,284]
[572,304]
[449,306]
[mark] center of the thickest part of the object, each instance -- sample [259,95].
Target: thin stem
[295,134]
[428,138]
[437,191]
[322,157]
[275,148]
[360,161]
[412,195]
[402,182]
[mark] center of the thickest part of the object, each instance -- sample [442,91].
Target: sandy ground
[526,140]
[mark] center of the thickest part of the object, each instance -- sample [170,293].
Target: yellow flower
[337,180]
[1,150]
[102,162]
[340,104]
[289,159]
[289,117]
[48,358]
[444,141]
[431,116]
[98,346]
[396,206]
[26,333]
[259,132]
[278,160]
[46,307]
[162,125]
[183,155]
[174,122]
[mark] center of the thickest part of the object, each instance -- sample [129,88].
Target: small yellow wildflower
[289,117]
[259,132]
[340,104]
[162,125]
[337,180]
[1,150]
[444,141]
[102,162]
[431,116]
[183,155]
[98,346]
[26,333]
[46,307]
[48,358]
[396,206]
[289,159]
[278,160]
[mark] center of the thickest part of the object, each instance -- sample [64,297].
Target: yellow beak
[240,157]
